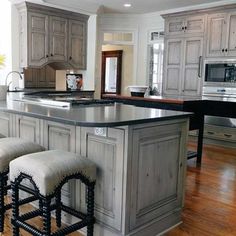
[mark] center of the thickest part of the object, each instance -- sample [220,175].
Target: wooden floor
[210,203]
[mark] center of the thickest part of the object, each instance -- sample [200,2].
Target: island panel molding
[52,36]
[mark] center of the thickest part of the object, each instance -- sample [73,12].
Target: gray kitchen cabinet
[46,35]
[44,77]
[62,137]
[37,39]
[28,128]
[5,119]
[58,29]
[151,196]
[77,44]
[184,25]
[105,147]
[221,37]
[183,66]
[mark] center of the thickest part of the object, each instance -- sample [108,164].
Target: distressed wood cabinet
[140,171]
[183,66]
[221,37]
[5,124]
[185,25]
[50,35]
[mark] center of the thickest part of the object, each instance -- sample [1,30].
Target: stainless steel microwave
[220,74]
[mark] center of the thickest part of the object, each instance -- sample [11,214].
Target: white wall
[140,26]
[5,39]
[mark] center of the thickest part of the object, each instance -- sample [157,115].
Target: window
[155,55]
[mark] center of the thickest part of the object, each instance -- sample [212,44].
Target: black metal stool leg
[58,209]
[90,209]
[2,207]
[46,216]
[15,208]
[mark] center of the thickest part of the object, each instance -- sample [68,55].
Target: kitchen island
[200,106]
[140,154]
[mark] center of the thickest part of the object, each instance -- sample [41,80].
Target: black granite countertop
[109,115]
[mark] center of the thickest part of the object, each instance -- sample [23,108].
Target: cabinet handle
[228,135]
[223,50]
[200,67]
[210,132]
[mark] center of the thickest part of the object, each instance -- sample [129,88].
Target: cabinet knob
[51,55]
[70,58]
[226,50]
[47,56]
[185,27]
[182,28]
[223,50]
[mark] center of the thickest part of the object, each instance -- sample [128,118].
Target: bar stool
[10,149]
[48,171]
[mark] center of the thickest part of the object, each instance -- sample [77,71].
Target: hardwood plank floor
[210,200]
[210,203]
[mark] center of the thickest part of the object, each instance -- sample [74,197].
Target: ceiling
[138,6]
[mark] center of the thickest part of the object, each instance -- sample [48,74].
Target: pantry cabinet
[221,37]
[49,35]
[183,66]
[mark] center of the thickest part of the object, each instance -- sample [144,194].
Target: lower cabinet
[105,147]
[5,120]
[62,137]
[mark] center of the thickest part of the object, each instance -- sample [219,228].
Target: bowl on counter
[137,90]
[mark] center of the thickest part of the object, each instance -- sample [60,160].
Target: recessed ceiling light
[127,5]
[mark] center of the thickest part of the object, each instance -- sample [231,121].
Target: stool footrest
[73,212]
[71,228]
[35,213]
[27,227]
[22,202]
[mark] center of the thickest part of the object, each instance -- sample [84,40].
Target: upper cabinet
[49,35]
[221,37]
[184,25]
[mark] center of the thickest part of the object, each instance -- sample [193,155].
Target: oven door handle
[200,67]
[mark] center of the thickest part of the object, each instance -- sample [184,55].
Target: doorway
[111,72]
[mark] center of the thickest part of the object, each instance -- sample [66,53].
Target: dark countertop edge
[99,124]
[177,101]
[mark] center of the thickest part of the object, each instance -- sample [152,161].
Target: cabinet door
[173,66]
[58,39]
[107,152]
[158,156]
[192,68]
[62,137]
[216,35]
[38,39]
[174,26]
[4,125]
[195,24]
[77,44]
[28,128]
[231,35]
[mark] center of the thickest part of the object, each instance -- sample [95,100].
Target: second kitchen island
[140,154]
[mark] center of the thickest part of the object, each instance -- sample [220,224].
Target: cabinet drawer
[221,133]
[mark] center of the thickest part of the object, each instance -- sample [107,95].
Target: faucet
[11,72]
